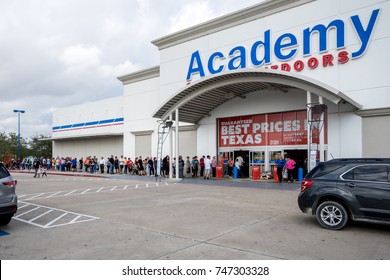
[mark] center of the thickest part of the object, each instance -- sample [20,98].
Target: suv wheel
[4,220]
[331,215]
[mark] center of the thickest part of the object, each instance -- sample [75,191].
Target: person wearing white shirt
[207,165]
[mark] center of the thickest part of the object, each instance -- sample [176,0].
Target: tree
[39,148]
[33,147]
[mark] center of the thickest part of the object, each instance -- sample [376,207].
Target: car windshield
[323,169]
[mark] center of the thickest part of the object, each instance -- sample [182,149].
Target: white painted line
[55,220]
[85,191]
[113,188]
[35,196]
[100,189]
[75,219]
[31,210]
[147,185]
[53,194]
[85,218]
[156,184]
[25,205]
[70,193]
[37,217]
[166,183]
[136,186]
[125,187]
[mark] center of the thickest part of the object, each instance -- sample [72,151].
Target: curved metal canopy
[197,100]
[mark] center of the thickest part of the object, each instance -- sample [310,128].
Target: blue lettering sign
[364,35]
[211,63]
[285,41]
[267,50]
[323,35]
[241,58]
[192,69]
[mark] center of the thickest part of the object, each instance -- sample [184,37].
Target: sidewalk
[247,182]
[61,173]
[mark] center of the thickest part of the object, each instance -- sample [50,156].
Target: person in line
[195,164]
[207,165]
[238,166]
[290,165]
[141,170]
[112,162]
[214,166]
[188,166]
[280,165]
[202,165]
[102,163]
[151,166]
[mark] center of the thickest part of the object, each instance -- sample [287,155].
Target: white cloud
[80,58]
[191,14]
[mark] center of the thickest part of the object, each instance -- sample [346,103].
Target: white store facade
[280,77]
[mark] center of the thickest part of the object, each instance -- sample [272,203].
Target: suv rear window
[375,173]
[3,172]
[323,169]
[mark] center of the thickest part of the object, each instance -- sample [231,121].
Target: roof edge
[227,21]
[145,74]
[373,112]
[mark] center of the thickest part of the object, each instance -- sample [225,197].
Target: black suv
[342,189]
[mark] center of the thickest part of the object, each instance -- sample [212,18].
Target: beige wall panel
[376,136]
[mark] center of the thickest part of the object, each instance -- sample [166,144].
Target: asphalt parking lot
[130,218]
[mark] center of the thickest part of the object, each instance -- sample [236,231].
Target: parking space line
[51,217]
[35,196]
[55,220]
[70,192]
[28,197]
[22,206]
[53,194]
[75,219]
[31,210]
[85,191]
[39,216]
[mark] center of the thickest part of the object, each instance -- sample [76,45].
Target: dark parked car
[347,189]
[8,198]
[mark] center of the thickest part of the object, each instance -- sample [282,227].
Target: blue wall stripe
[86,124]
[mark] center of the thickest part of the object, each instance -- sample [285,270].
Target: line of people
[203,167]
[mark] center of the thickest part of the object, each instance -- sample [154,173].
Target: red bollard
[276,178]
[256,173]
[219,172]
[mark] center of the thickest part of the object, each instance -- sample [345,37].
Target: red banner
[276,129]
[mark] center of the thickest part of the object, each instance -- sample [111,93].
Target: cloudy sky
[59,53]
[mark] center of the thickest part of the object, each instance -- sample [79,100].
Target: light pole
[19,111]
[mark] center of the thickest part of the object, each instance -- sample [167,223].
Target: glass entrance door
[257,158]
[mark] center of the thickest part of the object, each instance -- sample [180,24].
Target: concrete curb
[76,174]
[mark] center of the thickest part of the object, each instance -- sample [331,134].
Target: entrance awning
[197,100]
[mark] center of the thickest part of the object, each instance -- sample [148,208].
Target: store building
[280,77]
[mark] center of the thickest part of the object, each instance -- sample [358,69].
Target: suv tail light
[306,184]
[10,183]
